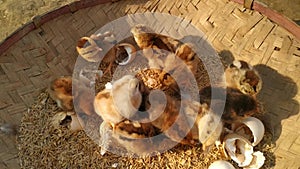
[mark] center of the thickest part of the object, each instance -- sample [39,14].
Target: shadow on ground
[277,100]
[277,96]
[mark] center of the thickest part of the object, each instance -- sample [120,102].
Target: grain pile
[41,145]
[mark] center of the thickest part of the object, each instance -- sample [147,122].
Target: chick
[146,38]
[88,75]
[210,128]
[83,99]
[96,48]
[132,129]
[60,90]
[91,52]
[104,106]
[119,102]
[244,77]
[133,136]
[159,50]
[181,66]
[207,126]
[142,140]
[168,117]
[237,104]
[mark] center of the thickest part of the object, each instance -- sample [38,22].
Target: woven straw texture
[49,51]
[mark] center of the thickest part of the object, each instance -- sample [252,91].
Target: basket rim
[72,7]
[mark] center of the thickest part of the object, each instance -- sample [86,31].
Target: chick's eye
[231,65]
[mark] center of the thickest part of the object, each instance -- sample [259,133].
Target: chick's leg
[110,58]
[108,70]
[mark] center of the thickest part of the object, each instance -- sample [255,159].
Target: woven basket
[45,48]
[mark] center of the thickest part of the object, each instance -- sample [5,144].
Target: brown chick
[83,100]
[187,54]
[133,136]
[142,140]
[60,90]
[90,52]
[168,118]
[132,129]
[182,66]
[145,38]
[207,126]
[159,50]
[119,102]
[96,48]
[244,77]
[237,104]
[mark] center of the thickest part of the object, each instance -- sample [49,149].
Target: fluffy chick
[237,104]
[243,76]
[133,136]
[166,116]
[147,39]
[119,102]
[83,99]
[99,47]
[207,126]
[60,90]
[142,140]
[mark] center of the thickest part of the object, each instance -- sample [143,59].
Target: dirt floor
[290,8]
[15,13]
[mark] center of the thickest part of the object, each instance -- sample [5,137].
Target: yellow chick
[120,101]
[243,76]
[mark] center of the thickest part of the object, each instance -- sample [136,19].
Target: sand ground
[15,13]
